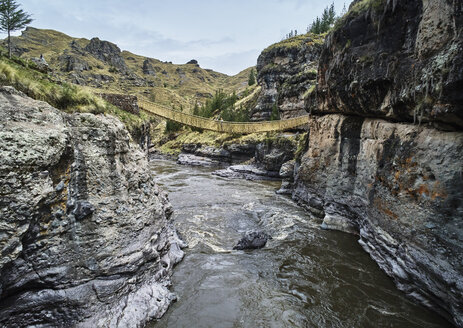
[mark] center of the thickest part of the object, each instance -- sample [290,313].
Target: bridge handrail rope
[221,126]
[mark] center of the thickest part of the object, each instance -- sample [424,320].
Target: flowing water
[304,277]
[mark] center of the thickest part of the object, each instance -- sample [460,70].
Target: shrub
[172,126]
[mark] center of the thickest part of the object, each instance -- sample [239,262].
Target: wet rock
[388,183]
[194,160]
[253,240]
[287,174]
[248,172]
[98,249]
[233,153]
[287,170]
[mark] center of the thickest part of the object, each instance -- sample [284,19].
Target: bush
[235,115]
[275,115]
[217,105]
[172,126]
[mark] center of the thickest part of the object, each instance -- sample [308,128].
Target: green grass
[69,98]
[309,92]
[298,41]
[195,84]
[39,86]
[359,8]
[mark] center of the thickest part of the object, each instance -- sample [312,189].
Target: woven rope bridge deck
[221,126]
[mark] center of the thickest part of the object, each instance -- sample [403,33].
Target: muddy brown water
[304,277]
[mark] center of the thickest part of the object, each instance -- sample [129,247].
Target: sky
[223,35]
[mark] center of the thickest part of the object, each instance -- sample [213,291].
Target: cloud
[230,63]
[220,32]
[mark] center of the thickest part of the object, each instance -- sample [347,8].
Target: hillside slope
[103,67]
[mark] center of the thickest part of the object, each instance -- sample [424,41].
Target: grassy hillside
[24,76]
[104,68]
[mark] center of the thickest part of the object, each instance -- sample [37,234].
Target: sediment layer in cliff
[384,152]
[85,234]
[287,74]
[399,60]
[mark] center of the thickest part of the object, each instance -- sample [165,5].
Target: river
[304,277]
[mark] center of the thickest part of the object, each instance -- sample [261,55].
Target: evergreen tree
[252,78]
[324,24]
[275,115]
[12,19]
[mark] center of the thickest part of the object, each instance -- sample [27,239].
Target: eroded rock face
[148,68]
[107,52]
[286,73]
[401,60]
[399,187]
[85,233]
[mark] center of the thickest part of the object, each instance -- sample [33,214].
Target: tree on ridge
[12,19]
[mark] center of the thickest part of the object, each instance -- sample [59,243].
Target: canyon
[87,235]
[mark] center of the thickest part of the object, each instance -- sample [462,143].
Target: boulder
[252,240]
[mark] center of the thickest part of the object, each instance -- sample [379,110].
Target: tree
[252,77]
[275,115]
[325,23]
[12,19]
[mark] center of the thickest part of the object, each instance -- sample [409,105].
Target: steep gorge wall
[384,151]
[400,60]
[286,71]
[85,233]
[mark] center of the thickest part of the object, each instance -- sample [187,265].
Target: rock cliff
[384,153]
[400,60]
[85,233]
[287,72]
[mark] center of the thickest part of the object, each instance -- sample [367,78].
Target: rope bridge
[221,126]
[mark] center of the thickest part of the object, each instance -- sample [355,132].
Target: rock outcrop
[107,52]
[287,71]
[148,68]
[73,63]
[85,233]
[400,60]
[368,169]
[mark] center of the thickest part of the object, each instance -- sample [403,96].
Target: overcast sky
[225,35]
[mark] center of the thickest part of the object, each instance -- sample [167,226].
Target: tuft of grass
[67,97]
[309,92]
[357,9]
[298,41]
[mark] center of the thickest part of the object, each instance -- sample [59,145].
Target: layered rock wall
[399,187]
[85,232]
[384,153]
[400,60]
[286,72]
[125,102]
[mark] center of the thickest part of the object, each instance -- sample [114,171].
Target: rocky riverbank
[250,159]
[384,153]
[86,234]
